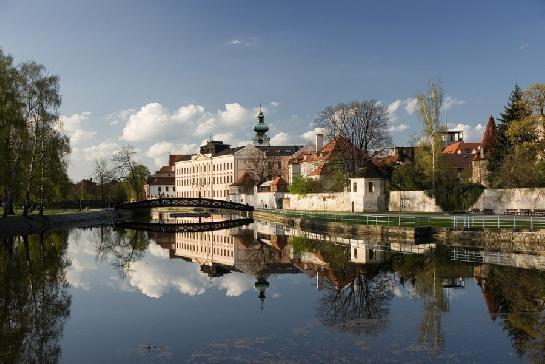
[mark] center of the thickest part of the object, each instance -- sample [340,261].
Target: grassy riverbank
[19,225]
[458,222]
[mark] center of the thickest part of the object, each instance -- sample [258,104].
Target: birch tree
[429,111]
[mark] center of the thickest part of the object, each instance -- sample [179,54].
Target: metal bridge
[188,227]
[207,203]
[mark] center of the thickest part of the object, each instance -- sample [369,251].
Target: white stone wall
[340,201]
[413,201]
[517,198]
[497,200]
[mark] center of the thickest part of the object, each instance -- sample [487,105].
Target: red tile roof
[279,181]
[460,146]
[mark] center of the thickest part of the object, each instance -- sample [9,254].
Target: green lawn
[48,212]
[472,222]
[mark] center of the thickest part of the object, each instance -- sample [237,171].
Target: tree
[13,133]
[429,110]
[515,110]
[534,97]
[133,173]
[41,95]
[364,124]
[103,175]
[261,166]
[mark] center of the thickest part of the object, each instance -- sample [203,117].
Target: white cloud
[452,101]
[249,42]
[119,116]
[234,114]
[411,105]
[310,135]
[234,42]
[472,134]
[275,103]
[398,128]
[154,120]
[281,139]
[102,150]
[73,126]
[392,108]
[159,151]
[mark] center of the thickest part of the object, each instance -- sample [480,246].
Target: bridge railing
[461,222]
[186,202]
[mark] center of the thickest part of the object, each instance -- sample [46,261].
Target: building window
[355,253]
[159,189]
[355,187]
[279,165]
[166,188]
[371,186]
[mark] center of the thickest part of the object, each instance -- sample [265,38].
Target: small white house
[158,187]
[367,194]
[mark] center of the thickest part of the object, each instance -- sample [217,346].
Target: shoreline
[19,225]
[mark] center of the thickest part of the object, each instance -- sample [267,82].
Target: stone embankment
[18,225]
[489,239]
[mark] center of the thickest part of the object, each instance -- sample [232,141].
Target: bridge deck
[189,227]
[186,202]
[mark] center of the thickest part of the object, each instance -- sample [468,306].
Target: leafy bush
[452,194]
[303,186]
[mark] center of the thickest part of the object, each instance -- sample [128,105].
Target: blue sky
[164,75]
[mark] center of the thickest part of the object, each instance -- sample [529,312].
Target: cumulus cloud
[159,151]
[119,116]
[398,128]
[281,139]
[310,135]
[102,150]
[74,129]
[392,108]
[411,105]
[154,121]
[472,133]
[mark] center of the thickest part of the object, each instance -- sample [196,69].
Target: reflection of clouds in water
[82,257]
[153,276]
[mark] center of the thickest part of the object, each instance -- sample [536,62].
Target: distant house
[159,187]
[480,160]
[310,163]
[460,154]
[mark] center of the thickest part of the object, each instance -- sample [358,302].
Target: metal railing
[461,222]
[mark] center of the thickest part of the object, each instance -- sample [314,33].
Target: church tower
[261,129]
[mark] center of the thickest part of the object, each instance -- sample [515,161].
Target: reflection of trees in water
[426,273]
[362,305]
[517,296]
[34,302]
[120,247]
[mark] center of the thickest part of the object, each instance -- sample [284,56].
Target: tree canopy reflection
[34,301]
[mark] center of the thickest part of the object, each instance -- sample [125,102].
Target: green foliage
[514,110]
[334,181]
[409,177]
[453,194]
[305,185]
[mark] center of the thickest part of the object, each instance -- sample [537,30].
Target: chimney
[319,141]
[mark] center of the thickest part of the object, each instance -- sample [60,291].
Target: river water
[263,293]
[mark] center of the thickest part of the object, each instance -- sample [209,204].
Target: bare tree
[103,175]
[534,97]
[429,110]
[262,167]
[135,174]
[363,124]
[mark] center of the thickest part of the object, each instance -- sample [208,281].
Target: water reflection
[34,301]
[358,287]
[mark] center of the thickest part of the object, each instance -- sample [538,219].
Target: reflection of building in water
[361,252]
[480,273]
[259,251]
